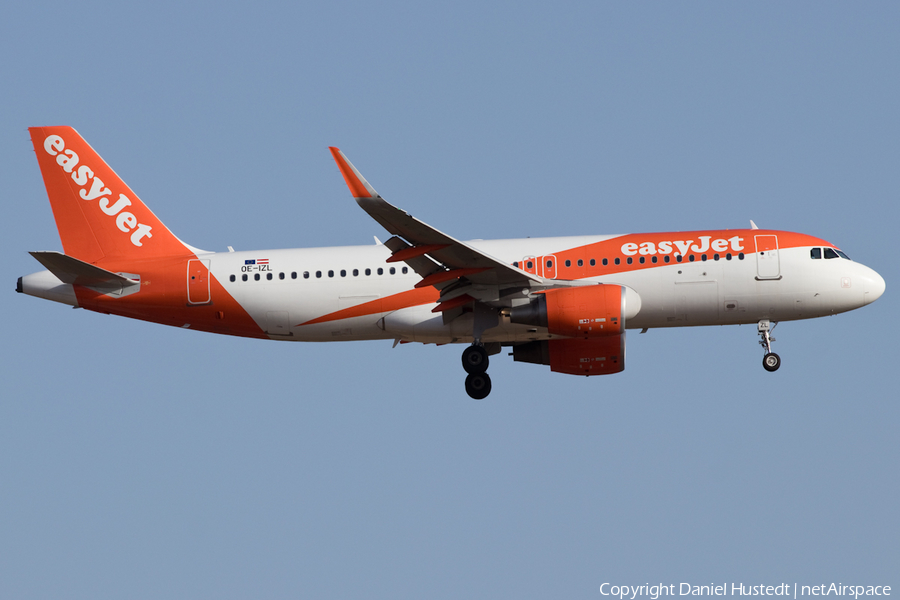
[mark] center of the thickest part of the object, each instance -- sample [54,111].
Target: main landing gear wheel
[478,385]
[771,362]
[475,360]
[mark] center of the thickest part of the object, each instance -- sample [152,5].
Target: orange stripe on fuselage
[407,299]
[662,245]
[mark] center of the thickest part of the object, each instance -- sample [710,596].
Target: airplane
[565,302]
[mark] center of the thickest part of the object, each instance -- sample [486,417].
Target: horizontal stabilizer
[73,271]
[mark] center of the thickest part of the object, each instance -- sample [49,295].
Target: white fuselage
[702,292]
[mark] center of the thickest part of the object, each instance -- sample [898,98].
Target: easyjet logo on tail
[82,175]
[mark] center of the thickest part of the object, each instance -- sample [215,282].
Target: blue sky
[138,461]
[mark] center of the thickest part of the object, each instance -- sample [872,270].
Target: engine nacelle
[600,356]
[580,312]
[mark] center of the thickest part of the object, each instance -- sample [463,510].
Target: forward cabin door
[768,265]
[198,281]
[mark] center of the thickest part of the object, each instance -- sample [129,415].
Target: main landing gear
[771,361]
[475,362]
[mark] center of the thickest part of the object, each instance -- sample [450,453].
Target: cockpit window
[842,255]
[815,253]
[830,253]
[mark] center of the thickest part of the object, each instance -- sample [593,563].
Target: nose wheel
[771,361]
[475,362]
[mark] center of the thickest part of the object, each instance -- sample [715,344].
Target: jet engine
[584,312]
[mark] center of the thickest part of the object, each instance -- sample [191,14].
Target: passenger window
[305,275]
[516,264]
[232,278]
[393,270]
[618,261]
[830,253]
[405,270]
[815,253]
[580,263]
[667,258]
[256,277]
[642,260]
[281,276]
[356,272]
[244,277]
[702,257]
[691,258]
[605,262]
[549,263]
[330,273]
[343,272]
[368,272]
[728,256]
[715,257]
[529,265]
[741,256]
[630,260]
[593,262]
[679,258]
[269,276]
[380,271]
[318,274]
[653,260]
[568,263]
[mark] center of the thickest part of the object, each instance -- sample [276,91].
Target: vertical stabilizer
[97,215]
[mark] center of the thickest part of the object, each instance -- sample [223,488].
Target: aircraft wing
[415,242]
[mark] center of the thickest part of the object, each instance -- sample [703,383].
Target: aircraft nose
[873,287]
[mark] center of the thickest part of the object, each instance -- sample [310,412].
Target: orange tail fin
[97,215]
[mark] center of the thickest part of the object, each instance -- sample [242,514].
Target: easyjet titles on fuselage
[682,247]
[68,160]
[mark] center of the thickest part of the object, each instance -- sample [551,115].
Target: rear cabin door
[768,265]
[198,281]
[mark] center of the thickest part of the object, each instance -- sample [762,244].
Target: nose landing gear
[475,362]
[771,361]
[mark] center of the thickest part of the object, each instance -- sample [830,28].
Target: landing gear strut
[475,362]
[771,361]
